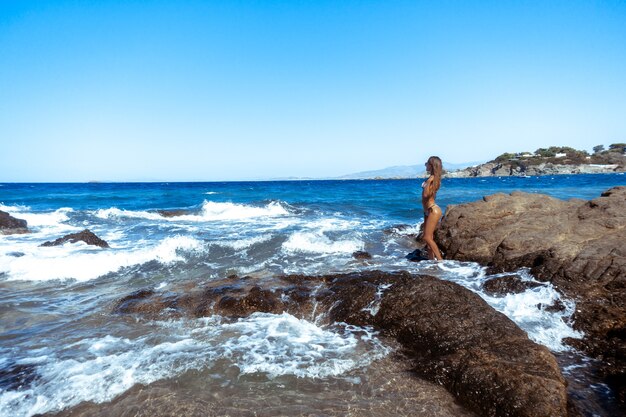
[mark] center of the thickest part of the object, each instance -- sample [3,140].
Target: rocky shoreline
[500,169]
[550,161]
[576,245]
[453,337]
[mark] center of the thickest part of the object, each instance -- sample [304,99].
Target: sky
[238,90]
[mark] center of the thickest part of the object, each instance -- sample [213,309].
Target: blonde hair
[436,168]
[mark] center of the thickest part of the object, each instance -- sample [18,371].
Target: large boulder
[577,245]
[86,236]
[10,225]
[454,337]
[480,355]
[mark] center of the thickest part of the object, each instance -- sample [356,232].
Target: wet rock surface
[449,333]
[361,255]
[175,212]
[577,245]
[10,225]
[85,236]
[417,255]
[511,284]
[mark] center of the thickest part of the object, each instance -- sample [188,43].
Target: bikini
[433,204]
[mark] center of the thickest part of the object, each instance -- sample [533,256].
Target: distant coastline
[550,161]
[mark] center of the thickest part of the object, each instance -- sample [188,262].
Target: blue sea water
[56,302]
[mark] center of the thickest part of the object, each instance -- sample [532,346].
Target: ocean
[70,355]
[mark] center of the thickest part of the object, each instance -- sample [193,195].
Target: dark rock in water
[361,255]
[256,299]
[511,284]
[132,302]
[577,245]
[17,377]
[555,307]
[417,255]
[16,254]
[86,236]
[454,337]
[174,212]
[10,225]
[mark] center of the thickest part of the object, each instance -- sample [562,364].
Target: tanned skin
[432,212]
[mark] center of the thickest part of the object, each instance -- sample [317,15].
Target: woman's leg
[429,230]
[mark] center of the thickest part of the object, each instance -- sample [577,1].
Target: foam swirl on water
[210,211]
[263,343]
[83,262]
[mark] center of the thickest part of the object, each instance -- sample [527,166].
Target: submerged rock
[454,337]
[16,377]
[417,255]
[577,245]
[10,225]
[361,255]
[85,236]
[511,284]
[175,212]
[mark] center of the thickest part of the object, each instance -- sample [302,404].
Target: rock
[417,255]
[480,355]
[454,337]
[555,307]
[175,212]
[605,162]
[10,225]
[361,255]
[86,236]
[511,284]
[577,245]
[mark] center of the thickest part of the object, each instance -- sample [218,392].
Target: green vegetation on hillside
[565,155]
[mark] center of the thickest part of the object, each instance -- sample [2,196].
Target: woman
[432,212]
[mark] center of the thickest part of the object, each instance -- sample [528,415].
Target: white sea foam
[51,219]
[544,327]
[84,262]
[231,211]
[318,242]
[282,344]
[210,211]
[262,343]
[112,366]
[114,213]
[47,222]
[211,192]
[13,209]
[412,230]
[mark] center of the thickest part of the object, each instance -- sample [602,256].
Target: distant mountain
[402,171]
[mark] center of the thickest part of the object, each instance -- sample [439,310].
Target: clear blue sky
[232,90]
